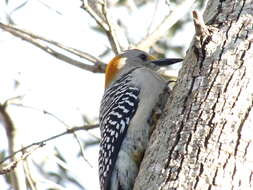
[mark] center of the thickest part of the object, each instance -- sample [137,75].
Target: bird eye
[143,57]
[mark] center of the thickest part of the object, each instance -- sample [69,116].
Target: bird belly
[128,160]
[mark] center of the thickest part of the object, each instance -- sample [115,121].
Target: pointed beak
[166,62]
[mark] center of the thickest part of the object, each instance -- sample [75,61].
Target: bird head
[134,58]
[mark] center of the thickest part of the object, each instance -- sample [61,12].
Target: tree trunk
[204,139]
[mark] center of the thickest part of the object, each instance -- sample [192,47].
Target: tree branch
[4,169]
[200,27]
[59,120]
[111,32]
[163,27]
[44,43]
[40,144]
[111,29]
[25,153]
[100,20]
[17,177]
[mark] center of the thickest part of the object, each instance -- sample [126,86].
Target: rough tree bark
[204,140]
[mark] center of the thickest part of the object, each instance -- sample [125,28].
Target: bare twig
[200,27]
[100,21]
[61,121]
[111,29]
[43,142]
[163,27]
[37,109]
[81,149]
[34,146]
[18,7]
[50,8]
[8,124]
[44,44]
[44,112]
[12,165]
[17,177]
[29,175]
[201,37]
[111,32]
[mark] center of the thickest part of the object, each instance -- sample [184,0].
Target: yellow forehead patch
[151,58]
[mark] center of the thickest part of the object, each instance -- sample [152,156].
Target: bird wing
[118,106]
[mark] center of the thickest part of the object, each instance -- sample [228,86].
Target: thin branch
[37,109]
[29,175]
[100,21]
[200,27]
[8,102]
[8,168]
[61,121]
[19,7]
[7,122]
[201,35]
[111,29]
[50,8]
[17,177]
[43,142]
[12,165]
[44,43]
[111,32]
[15,159]
[81,149]
[163,27]
[65,124]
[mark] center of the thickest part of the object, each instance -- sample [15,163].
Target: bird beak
[166,62]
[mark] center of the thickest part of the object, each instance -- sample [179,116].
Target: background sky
[46,83]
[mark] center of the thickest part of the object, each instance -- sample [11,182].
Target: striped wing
[118,106]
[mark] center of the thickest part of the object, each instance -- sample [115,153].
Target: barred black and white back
[118,106]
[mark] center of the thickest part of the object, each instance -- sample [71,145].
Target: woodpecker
[132,102]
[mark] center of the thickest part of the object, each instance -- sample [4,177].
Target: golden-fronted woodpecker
[133,99]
